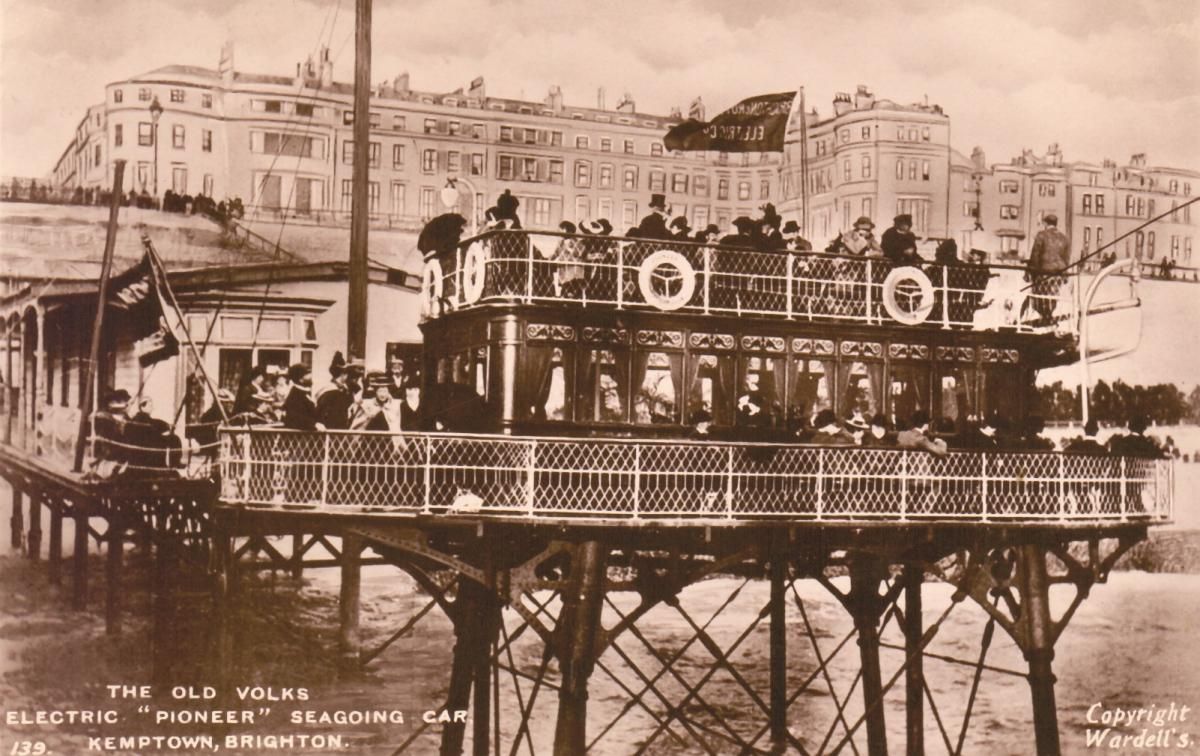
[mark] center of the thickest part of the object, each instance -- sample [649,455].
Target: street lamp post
[156,112]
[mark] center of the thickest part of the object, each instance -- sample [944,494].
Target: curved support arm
[1084,310]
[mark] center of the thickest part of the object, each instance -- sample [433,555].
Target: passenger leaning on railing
[1136,443]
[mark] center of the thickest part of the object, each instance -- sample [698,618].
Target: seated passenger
[829,431]
[701,422]
[711,234]
[569,278]
[108,429]
[1032,438]
[918,437]
[898,243]
[1136,443]
[880,433]
[1087,444]
[985,436]
[792,238]
[680,230]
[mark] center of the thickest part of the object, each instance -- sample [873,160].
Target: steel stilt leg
[349,606]
[582,603]
[865,575]
[914,681]
[1039,652]
[778,660]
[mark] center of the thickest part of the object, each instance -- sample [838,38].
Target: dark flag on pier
[756,124]
[137,294]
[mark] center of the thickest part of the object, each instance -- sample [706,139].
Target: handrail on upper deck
[505,266]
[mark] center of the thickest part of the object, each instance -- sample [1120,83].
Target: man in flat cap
[1048,258]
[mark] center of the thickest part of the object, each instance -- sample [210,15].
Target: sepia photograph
[526,377]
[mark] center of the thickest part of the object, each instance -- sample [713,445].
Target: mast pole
[356,321]
[803,166]
[89,386]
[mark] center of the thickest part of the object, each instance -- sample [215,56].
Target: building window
[912,170]
[1009,187]
[206,140]
[1009,212]
[1150,245]
[506,167]
[96,156]
[970,209]
[700,185]
[867,207]
[844,134]
[866,166]
[179,179]
[541,207]
[477,164]
[764,189]
[453,164]
[1141,207]
[583,173]
[428,207]
[397,156]
[846,211]
[556,171]
[582,208]
[845,170]
[1087,238]
[177,95]
[604,207]
[899,170]
[118,95]
[656,149]
[1045,189]
[925,170]
[606,145]
[628,146]
[629,179]
[347,152]
[398,124]
[679,183]
[178,136]
[1087,204]
[430,125]
[397,198]
[506,133]
[455,128]
[606,176]
[347,195]
[118,135]
[428,161]
[1099,204]
[866,132]
[581,142]
[144,94]
[723,189]
[628,213]
[658,181]
[1129,205]
[206,101]
[743,190]
[1187,249]
[207,188]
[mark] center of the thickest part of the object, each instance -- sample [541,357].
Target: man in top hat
[299,412]
[1048,258]
[768,236]
[899,244]
[654,225]
[792,238]
[504,213]
[680,230]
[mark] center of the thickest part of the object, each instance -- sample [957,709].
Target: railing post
[246,449]
[707,277]
[1062,486]
[427,477]
[637,479]
[729,484]
[903,486]
[529,270]
[867,285]
[1124,493]
[945,296]
[983,481]
[820,482]
[620,276]
[531,478]
[791,259]
[325,469]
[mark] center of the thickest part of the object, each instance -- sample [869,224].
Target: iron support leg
[489,621]
[164,605]
[34,543]
[112,576]
[914,679]
[297,556]
[469,635]
[1039,650]
[577,629]
[349,606]
[223,605]
[778,661]
[54,556]
[18,517]
[79,560]
[865,575]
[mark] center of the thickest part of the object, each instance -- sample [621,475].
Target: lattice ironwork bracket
[413,541]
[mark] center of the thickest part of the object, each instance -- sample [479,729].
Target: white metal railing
[546,267]
[644,480]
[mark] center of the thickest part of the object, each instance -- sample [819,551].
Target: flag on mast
[756,124]
[136,295]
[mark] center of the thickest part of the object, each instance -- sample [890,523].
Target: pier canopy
[627,481]
[606,272]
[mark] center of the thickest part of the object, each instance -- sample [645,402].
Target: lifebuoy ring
[474,272]
[431,287]
[900,299]
[658,286]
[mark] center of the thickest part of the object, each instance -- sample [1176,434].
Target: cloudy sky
[1104,78]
